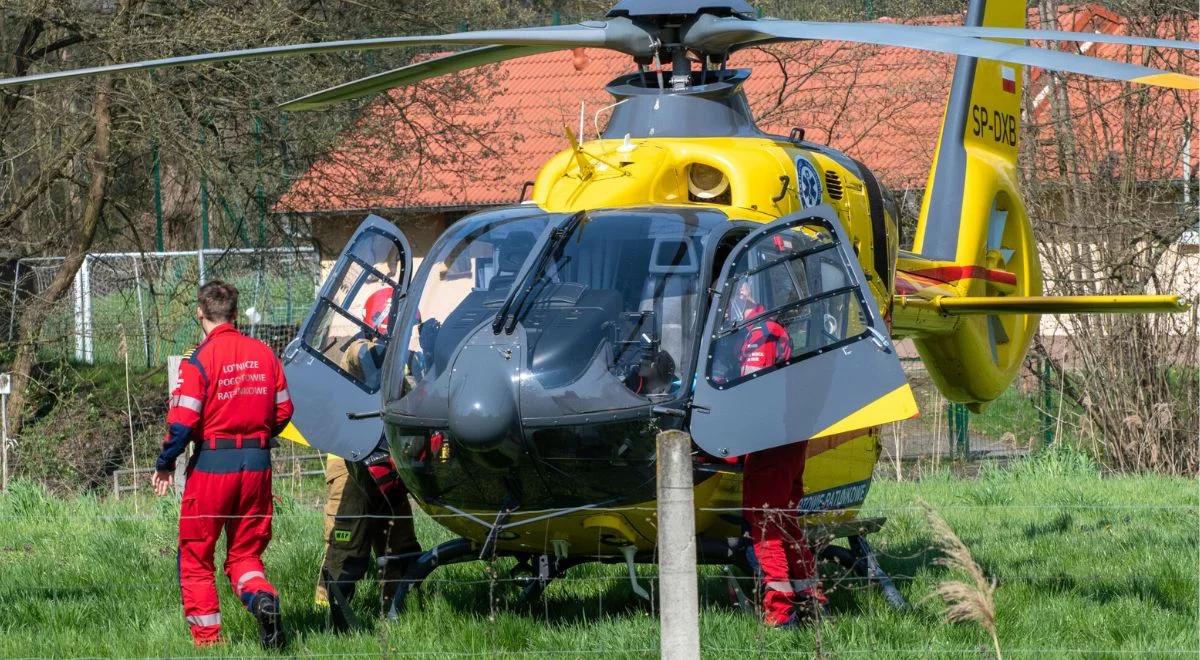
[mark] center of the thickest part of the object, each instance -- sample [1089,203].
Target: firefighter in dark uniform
[232,400]
[367,509]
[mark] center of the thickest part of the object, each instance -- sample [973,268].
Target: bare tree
[75,157]
[1107,177]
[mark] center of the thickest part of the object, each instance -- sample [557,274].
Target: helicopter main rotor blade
[620,34]
[711,34]
[411,74]
[1029,34]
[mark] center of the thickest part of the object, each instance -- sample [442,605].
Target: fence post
[964,430]
[88,328]
[679,599]
[137,282]
[958,421]
[5,390]
[173,364]
[1047,403]
[12,313]
[77,301]
[156,173]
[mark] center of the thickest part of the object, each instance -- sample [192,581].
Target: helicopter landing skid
[875,574]
[546,570]
[451,552]
[859,559]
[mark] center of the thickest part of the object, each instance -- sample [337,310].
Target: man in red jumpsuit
[772,487]
[232,400]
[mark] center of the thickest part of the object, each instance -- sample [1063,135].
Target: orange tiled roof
[479,142]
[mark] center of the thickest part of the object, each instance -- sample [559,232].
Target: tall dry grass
[972,599]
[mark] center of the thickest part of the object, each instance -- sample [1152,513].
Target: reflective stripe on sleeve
[183,401]
[204,619]
[246,577]
[282,396]
[804,585]
[785,587]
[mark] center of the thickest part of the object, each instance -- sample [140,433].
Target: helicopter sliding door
[794,347]
[334,366]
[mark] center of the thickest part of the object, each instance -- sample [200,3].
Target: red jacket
[231,387]
[378,308]
[767,343]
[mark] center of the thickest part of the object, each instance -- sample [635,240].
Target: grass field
[1086,565]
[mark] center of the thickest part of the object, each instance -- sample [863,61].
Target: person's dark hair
[218,301]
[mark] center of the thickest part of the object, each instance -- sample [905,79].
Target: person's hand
[162,481]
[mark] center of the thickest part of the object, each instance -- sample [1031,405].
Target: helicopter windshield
[620,289]
[468,273]
[602,310]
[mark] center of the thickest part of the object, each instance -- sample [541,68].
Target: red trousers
[772,487]
[227,496]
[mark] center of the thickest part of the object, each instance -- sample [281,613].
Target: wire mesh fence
[147,300]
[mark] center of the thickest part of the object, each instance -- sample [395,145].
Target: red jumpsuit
[232,400]
[378,308]
[772,486]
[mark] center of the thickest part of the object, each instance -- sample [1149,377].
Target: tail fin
[977,146]
[973,232]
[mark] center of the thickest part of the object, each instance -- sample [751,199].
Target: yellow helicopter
[521,404]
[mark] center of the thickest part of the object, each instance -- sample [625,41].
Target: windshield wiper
[525,280]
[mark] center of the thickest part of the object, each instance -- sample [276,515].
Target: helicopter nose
[483,417]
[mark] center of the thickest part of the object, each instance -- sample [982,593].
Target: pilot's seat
[511,253]
[670,293]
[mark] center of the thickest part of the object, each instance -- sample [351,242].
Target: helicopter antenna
[582,115]
[596,117]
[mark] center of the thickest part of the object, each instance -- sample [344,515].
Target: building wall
[332,232]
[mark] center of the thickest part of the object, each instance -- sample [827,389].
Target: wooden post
[5,390]
[173,364]
[679,599]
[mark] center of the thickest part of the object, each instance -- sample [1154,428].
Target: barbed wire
[873,511]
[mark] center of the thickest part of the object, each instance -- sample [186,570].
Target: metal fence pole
[1047,403]
[77,300]
[156,173]
[89,356]
[957,426]
[12,314]
[137,282]
[5,386]
[679,599]
[964,431]
[173,364]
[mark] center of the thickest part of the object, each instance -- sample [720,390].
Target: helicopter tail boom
[973,237]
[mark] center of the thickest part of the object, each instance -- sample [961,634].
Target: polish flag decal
[1008,79]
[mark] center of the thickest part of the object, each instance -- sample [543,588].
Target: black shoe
[265,608]
[337,619]
[806,613]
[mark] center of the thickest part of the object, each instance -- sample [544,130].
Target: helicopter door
[334,366]
[794,347]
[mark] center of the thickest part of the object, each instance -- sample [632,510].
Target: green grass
[1085,563]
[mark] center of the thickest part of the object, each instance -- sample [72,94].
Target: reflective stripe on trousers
[793,586]
[246,577]
[213,619]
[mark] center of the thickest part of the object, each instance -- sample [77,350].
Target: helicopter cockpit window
[789,296]
[482,254]
[351,326]
[622,290]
